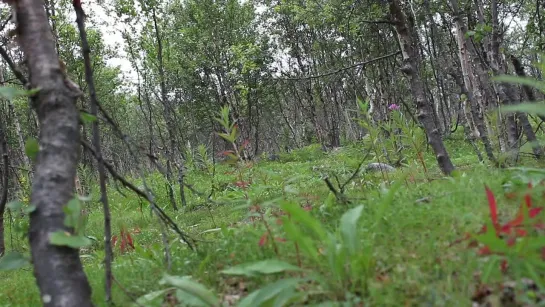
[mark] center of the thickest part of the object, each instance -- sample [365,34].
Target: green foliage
[10,93]
[73,220]
[32,147]
[262,267]
[13,261]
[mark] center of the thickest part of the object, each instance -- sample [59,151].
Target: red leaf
[528,200]
[534,211]
[504,266]
[114,240]
[263,239]
[484,251]
[129,240]
[492,205]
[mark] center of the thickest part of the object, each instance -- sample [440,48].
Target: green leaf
[530,108]
[470,33]
[265,267]
[147,299]
[349,229]
[265,295]
[87,118]
[226,137]
[531,82]
[29,209]
[491,240]
[11,93]
[72,212]
[191,289]
[15,205]
[303,217]
[13,261]
[62,238]
[32,148]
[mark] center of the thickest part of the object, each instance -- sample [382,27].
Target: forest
[272,153]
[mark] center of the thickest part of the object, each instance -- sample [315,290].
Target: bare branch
[344,68]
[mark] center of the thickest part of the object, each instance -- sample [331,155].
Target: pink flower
[394,107]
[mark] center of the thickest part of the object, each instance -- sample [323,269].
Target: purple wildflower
[394,107]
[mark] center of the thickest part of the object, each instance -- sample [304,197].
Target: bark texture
[408,41]
[58,270]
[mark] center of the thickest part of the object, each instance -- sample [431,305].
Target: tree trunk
[506,91]
[58,270]
[469,76]
[411,64]
[5,185]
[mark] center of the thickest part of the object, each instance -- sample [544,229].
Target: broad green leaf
[87,118]
[32,148]
[62,238]
[72,212]
[303,217]
[192,288]
[265,267]
[15,205]
[264,296]
[531,82]
[13,261]
[349,229]
[530,108]
[152,297]
[29,209]
[11,93]
[304,241]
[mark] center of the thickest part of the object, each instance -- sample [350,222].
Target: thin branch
[344,68]
[14,69]
[164,217]
[86,50]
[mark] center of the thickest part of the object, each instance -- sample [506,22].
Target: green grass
[407,239]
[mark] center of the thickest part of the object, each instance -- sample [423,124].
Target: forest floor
[401,256]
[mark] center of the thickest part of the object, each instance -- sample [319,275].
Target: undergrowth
[274,227]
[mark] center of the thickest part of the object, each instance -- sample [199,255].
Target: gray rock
[273,157]
[373,167]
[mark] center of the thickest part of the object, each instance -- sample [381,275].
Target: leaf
[303,217]
[10,93]
[15,205]
[530,108]
[72,212]
[192,289]
[264,267]
[29,209]
[491,241]
[62,238]
[349,222]
[264,296]
[492,205]
[32,148]
[13,261]
[531,82]
[149,298]
[87,118]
